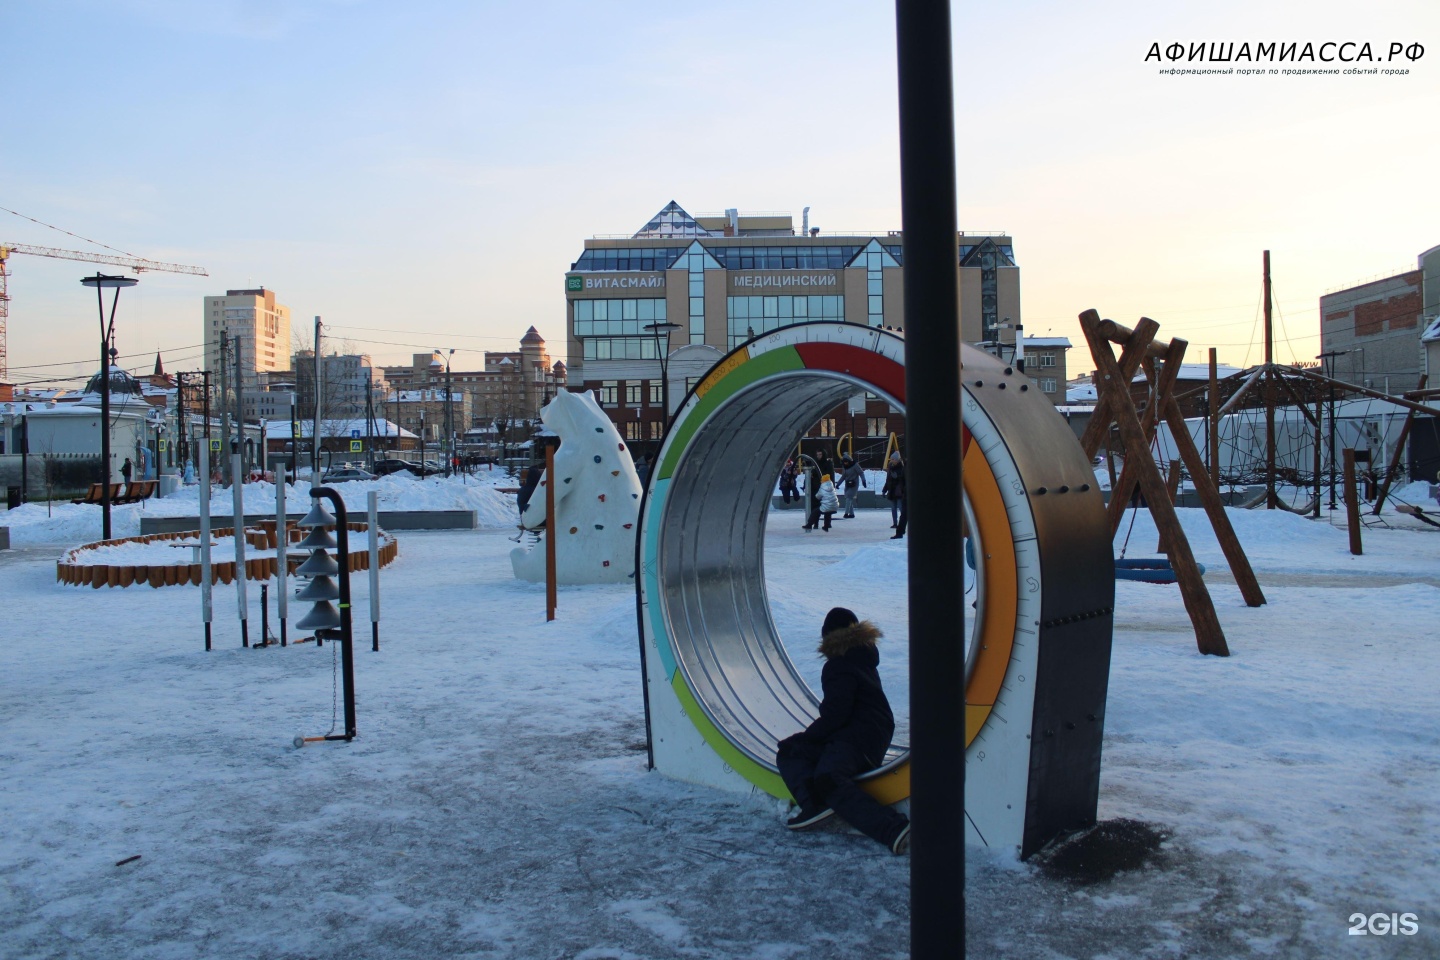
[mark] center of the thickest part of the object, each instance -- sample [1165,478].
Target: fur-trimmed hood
[837,643]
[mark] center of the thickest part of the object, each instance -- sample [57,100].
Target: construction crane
[138,264]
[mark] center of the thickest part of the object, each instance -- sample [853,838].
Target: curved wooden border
[68,571]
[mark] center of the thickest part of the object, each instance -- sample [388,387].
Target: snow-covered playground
[496,802]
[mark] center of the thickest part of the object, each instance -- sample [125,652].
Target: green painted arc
[765,779]
[751,371]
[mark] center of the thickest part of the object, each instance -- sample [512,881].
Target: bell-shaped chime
[321,569]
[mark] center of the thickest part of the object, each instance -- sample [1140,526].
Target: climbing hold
[614,473]
[602,498]
[574,529]
[597,458]
[604,563]
[599,526]
[568,479]
[622,446]
[629,525]
[599,429]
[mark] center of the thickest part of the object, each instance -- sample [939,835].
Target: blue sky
[421,175]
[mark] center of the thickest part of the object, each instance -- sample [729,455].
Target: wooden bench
[136,491]
[96,493]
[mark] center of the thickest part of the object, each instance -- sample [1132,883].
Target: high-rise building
[263,329]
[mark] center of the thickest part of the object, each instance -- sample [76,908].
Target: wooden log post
[1214,508]
[1212,435]
[1352,503]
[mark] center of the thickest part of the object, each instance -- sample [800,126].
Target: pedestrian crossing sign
[357,446]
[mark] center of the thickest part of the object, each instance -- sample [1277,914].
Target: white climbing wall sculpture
[597,499]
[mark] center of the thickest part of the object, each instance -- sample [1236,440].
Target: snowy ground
[496,802]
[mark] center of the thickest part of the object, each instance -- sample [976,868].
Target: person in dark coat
[127,469]
[527,489]
[789,488]
[850,736]
[823,461]
[812,496]
[895,490]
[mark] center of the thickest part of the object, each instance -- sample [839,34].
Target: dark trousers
[904,516]
[823,774]
[812,514]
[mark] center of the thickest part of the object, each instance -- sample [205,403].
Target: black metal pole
[205,404]
[104,412]
[933,432]
[347,651]
[24,458]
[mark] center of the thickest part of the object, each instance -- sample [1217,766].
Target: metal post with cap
[663,349]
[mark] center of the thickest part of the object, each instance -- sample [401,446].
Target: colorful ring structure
[715,664]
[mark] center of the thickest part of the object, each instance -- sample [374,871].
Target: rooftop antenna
[805,222]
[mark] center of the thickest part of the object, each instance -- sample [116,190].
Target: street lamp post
[107,353]
[449,419]
[664,350]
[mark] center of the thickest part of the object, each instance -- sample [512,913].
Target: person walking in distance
[789,488]
[829,503]
[812,496]
[894,490]
[852,478]
[127,469]
[850,736]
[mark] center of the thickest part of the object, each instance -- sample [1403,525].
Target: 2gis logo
[1381,924]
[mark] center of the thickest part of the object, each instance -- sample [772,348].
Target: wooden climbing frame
[1115,405]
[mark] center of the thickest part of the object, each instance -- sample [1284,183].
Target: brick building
[1375,328]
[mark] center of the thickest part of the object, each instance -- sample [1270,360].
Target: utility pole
[181,436]
[240,410]
[1328,357]
[1269,377]
[315,420]
[369,424]
[294,435]
[205,401]
[225,406]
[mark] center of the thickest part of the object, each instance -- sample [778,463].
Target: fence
[50,475]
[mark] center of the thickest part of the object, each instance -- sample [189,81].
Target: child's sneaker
[901,843]
[808,817]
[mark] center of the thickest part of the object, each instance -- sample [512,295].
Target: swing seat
[1148,570]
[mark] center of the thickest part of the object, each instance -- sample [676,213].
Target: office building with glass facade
[694,288]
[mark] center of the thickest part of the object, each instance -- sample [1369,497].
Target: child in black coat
[849,737]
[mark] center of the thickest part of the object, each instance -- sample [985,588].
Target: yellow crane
[138,264]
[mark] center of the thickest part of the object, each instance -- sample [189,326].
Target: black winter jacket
[854,708]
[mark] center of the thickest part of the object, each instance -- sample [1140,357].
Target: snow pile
[496,802]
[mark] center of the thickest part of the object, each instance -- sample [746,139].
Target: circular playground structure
[173,559]
[1036,533]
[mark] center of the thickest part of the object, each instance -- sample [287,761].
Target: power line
[69,234]
[123,356]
